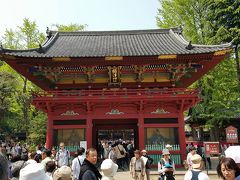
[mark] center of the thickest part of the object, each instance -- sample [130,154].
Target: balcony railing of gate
[180,92]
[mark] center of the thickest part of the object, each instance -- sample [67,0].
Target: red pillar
[89,131]
[182,139]
[49,137]
[141,132]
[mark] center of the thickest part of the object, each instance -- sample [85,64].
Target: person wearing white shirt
[192,151]
[77,163]
[62,156]
[196,172]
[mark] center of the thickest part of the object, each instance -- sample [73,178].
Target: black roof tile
[115,43]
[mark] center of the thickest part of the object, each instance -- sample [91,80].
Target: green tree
[191,14]
[29,37]
[218,88]
[17,113]
[25,37]
[7,86]
[10,40]
[225,24]
[70,27]
[37,132]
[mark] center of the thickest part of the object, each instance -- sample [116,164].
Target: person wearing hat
[109,169]
[166,166]
[196,173]
[137,167]
[33,172]
[62,173]
[147,161]
[168,146]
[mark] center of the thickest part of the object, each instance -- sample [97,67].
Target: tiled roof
[115,43]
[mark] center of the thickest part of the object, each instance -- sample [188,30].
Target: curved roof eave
[182,40]
[42,47]
[6,50]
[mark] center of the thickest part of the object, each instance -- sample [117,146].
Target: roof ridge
[117,32]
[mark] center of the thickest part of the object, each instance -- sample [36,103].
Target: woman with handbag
[121,153]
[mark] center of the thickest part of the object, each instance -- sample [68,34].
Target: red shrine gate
[145,111]
[130,82]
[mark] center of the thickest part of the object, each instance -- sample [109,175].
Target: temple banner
[231,134]
[211,147]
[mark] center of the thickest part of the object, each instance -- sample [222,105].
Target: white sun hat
[168,146]
[33,172]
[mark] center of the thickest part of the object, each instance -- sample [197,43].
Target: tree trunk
[237,64]
[24,85]
[201,133]
[214,134]
[25,104]
[194,133]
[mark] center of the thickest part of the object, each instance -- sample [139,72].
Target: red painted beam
[207,66]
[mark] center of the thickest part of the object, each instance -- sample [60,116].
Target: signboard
[231,134]
[83,144]
[211,147]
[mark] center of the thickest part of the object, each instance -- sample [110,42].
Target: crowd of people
[17,163]
[119,151]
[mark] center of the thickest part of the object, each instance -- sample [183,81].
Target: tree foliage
[207,22]
[191,14]
[70,27]
[20,111]
[225,25]
[16,112]
[37,128]
[225,22]
[7,86]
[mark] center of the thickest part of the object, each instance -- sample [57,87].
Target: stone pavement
[179,173]
[178,176]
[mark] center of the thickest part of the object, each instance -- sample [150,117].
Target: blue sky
[97,14]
